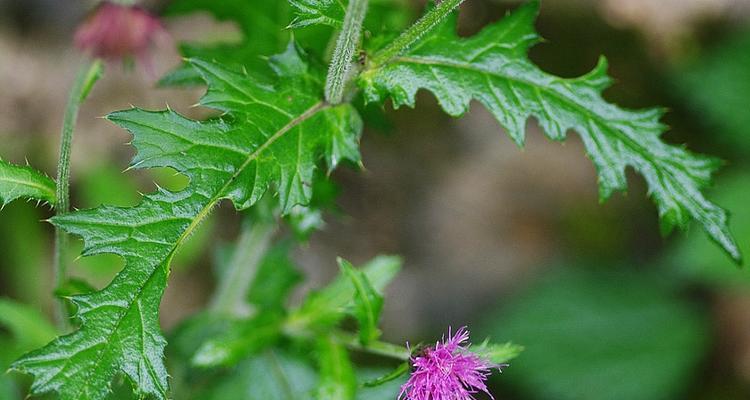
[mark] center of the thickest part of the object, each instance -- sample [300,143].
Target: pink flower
[115,32]
[448,371]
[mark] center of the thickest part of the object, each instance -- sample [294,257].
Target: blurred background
[513,243]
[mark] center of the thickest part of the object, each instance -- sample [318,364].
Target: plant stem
[377,347]
[415,32]
[341,63]
[251,246]
[85,80]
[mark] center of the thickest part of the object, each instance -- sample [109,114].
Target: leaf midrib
[45,188]
[595,117]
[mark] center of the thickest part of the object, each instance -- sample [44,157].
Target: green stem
[235,282]
[85,80]
[377,347]
[415,32]
[341,63]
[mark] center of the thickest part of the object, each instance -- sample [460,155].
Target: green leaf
[261,25]
[715,86]
[318,12]
[337,379]
[609,335]
[28,326]
[241,339]
[497,353]
[492,67]
[274,374]
[276,277]
[368,303]
[326,307]
[272,136]
[400,371]
[24,182]
[695,259]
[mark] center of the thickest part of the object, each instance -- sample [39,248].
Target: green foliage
[326,307]
[382,15]
[318,12]
[273,139]
[24,182]
[695,259]
[368,303]
[603,336]
[275,279]
[262,27]
[497,353]
[337,380]
[272,135]
[28,329]
[492,67]
[715,86]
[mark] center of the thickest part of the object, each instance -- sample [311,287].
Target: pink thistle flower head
[117,31]
[448,371]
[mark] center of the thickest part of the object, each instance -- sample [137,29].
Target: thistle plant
[285,115]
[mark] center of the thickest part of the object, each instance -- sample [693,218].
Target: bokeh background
[513,243]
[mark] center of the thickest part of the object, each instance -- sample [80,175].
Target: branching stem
[87,77]
[346,44]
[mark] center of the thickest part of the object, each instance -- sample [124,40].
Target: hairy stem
[341,63]
[251,246]
[85,80]
[415,32]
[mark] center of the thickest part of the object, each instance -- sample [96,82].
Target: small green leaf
[24,182]
[493,68]
[324,308]
[28,326]
[497,353]
[337,379]
[368,303]
[276,277]
[241,339]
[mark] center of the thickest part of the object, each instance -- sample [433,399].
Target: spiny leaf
[368,303]
[24,182]
[493,68]
[272,135]
[337,379]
